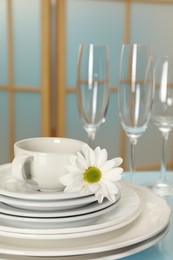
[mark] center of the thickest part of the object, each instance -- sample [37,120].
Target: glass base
[162,189]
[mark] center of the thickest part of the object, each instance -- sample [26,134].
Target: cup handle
[18,167]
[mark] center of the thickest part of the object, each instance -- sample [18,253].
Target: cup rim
[18,144]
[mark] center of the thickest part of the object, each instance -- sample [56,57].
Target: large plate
[127,210]
[12,188]
[108,255]
[153,219]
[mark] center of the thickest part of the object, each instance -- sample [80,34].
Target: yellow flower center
[92,174]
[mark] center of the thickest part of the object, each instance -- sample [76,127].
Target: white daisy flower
[90,172]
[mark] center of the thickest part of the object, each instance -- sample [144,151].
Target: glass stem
[163,177]
[133,143]
[91,138]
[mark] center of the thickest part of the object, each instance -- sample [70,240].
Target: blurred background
[39,41]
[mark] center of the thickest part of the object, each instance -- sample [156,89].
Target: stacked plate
[19,203]
[74,227]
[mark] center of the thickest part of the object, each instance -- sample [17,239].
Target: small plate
[61,222]
[92,207]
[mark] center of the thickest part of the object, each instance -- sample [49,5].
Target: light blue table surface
[163,250]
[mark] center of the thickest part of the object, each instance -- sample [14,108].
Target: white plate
[153,219]
[108,255]
[12,188]
[92,207]
[127,210]
[48,205]
[72,235]
[61,222]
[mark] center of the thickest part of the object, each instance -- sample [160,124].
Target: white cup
[41,161]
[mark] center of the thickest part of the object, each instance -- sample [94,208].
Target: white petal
[90,157]
[111,187]
[80,155]
[111,197]
[71,189]
[103,188]
[85,189]
[71,168]
[97,155]
[72,160]
[114,174]
[64,180]
[75,185]
[81,163]
[102,158]
[67,179]
[111,164]
[119,171]
[93,187]
[85,153]
[108,165]
[99,197]
[118,161]
[85,149]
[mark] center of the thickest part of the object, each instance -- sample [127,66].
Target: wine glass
[135,93]
[93,87]
[162,116]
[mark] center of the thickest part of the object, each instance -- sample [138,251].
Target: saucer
[12,188]
[48,205]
